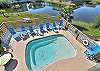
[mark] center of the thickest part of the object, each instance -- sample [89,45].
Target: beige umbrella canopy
[5,59]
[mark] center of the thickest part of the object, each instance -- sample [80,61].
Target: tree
[3,12]
[96,1]
[80,2]
[4,4]
[67,11]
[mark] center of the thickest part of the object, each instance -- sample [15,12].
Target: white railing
[79,35]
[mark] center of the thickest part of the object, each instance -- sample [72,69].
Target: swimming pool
[44,51]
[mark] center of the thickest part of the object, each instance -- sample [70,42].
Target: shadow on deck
[11,65]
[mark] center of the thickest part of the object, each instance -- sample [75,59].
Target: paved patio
[78,63]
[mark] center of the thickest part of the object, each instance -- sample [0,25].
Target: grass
[87,28]
[19,16]
[12,20]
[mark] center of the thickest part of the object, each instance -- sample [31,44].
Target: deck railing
[79,35]
[5,36]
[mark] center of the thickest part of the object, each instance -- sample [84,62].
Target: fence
[79,35]
[5,36]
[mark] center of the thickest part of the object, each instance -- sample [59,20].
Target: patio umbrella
[5,59]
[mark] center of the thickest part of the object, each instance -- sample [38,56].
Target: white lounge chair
[4,59]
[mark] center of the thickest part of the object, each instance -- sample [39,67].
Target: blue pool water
[41,52]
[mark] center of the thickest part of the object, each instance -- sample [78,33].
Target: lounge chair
[42,29]
[48,26]
[4,59]
[54,26]
[15,35]
[61,24]
[90,54]
[23,33]
[31,31]
[12,31]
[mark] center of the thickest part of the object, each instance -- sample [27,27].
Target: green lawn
[87,28]
[19,16]
[36,19]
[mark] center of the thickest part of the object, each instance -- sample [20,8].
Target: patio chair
[15,35]
[61,24]
[23,33]
[31,31]
[48,26]
[42,29]
[54,27]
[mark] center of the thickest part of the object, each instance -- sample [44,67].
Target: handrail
[80,36]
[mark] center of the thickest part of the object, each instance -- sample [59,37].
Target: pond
[87,14]
[38,8]
[44,10]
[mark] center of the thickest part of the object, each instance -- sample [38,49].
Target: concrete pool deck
[77,63]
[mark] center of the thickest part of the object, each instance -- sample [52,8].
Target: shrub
[4,5]
[97,24]
[1,49]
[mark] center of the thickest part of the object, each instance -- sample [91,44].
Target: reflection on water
[87,14]
[44,10]
[38,8]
